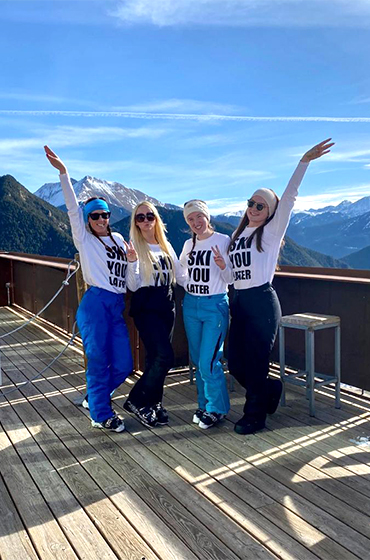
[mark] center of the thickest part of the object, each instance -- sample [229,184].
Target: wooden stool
[310,322]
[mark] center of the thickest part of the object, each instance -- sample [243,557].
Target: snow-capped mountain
[232,218]
[238,213]
[337,238]
[116,194]
[52,193]
[346,208]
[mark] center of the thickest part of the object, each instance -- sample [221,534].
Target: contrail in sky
[183,117]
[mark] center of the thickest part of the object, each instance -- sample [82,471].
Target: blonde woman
[152,269]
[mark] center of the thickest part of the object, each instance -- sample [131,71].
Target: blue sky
[188,98]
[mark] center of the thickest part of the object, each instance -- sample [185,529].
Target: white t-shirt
[101,267]
[135,275]
[250,267]
[204,277]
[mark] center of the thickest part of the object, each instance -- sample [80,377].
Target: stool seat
[309,321]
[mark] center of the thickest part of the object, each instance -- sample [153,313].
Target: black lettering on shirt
[240,256]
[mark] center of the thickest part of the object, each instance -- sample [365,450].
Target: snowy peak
[346,208]
[52,193]
[359,207]
[238,213]
[115,193]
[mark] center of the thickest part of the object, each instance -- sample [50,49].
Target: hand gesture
[218,258]
[131,253]
[318,150]
[55,161]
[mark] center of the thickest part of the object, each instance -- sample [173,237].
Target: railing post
[81,289]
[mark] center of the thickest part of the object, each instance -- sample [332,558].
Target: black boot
[274,388]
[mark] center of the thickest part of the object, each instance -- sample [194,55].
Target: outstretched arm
[317,151]
[74,211]
[55,160]
[280,221]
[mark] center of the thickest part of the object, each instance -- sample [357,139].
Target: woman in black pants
[151,276]
[255,308]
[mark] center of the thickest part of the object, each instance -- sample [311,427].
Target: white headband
[196,206]
[270,197]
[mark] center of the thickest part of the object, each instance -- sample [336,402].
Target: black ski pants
[255,317]
[153,311]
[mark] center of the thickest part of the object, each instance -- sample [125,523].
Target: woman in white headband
[206,310]
[255,308]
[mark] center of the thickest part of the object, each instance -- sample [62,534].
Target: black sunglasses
[96,215]
[140,218]
[259,205]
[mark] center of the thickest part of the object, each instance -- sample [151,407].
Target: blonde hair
[146,258]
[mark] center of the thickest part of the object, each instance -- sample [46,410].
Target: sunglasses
[140,218]
[259,205]
[96,215]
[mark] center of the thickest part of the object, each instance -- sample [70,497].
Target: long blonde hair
[146,258]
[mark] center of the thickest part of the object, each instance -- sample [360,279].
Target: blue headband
[96,204]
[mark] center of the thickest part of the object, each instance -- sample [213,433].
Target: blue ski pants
[206,320]
[107,347]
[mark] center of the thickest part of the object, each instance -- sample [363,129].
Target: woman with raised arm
[152,271]
[206,310]
[99,316]
[255,308]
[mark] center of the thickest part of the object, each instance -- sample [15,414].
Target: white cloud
[332,197]
[223,205]
[63,136]
[179,105]
[184,116]
[359,100]
[244,12]
[358,156]
[306,202]
[23,157]
[44,98]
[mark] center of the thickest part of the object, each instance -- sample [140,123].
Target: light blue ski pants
[206,320]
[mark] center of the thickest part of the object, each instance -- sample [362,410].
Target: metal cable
[64,283]
[74,334]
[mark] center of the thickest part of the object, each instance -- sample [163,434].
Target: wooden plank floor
[299,489]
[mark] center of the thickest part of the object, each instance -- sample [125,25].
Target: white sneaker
[210,419]
[198,415]
[114,424]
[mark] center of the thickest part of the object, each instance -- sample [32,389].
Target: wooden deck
[298,490]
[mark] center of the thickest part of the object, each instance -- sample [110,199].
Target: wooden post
[81,289]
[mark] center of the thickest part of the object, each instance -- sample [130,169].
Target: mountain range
[179,232]
[121,199]
[341,231]
[33,225]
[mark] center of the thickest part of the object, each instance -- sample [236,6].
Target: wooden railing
[32,280]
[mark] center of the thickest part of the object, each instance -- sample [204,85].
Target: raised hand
[55,160]
[131,253]
[218,258]
[318,150]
